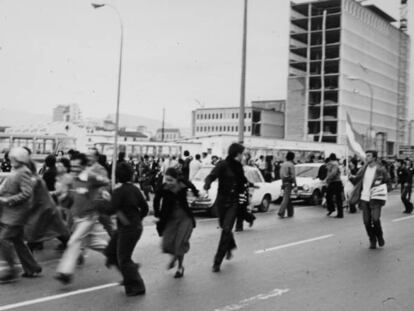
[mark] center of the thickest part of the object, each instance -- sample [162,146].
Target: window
[249,128]
[237,128]
[212,116]
[245,115]
[221,116]
[250,115]
[232,115]
[237,115]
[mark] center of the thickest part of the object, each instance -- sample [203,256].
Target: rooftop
[381,13]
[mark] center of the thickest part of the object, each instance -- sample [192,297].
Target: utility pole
[243,77]
[163,125]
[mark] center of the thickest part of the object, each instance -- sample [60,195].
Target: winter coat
[169,200]
[18,189]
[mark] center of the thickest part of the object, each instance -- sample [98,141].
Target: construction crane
[402,86]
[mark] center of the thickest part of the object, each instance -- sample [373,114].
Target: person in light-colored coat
[15,203]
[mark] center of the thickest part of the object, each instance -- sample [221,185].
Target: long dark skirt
[177,233]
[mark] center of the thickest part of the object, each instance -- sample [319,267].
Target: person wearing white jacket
[371,187]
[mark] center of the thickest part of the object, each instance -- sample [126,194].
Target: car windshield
[307,171]
[253,176]
[202,174]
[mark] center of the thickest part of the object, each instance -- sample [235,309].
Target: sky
[179,55]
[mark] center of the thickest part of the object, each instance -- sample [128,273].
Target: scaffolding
[402,88]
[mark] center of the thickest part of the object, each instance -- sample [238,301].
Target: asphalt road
[309,262]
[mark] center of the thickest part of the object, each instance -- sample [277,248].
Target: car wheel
[213,211]
[264,206]
[316,198]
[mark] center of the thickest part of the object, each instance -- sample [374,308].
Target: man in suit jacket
[372,182]
[15,203]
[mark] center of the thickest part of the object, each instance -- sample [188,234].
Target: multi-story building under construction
[347,58]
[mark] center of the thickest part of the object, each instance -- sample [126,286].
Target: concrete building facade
[262,118]
[344,59]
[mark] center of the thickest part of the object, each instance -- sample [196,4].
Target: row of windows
[211,116]
[221,128]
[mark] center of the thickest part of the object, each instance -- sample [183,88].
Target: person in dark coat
[404,178]
[50,172]
[176,221]
[231,188]
[129,205]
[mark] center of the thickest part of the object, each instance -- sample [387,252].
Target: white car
[260,196]
[309,187]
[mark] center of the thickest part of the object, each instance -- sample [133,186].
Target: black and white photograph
[206,155]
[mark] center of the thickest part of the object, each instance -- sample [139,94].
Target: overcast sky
[178,54]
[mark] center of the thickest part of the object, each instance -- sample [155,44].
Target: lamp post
[243,76]
[371,106]
[410,128]
[121,42]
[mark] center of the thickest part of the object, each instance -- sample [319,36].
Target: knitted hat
[20,154]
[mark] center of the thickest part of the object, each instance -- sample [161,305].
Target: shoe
[9,278]
[31,275]
[290,216]
[372,244]
[339,216]
[251,222]
[229,255]
[281,216]
[135,292]
[329,213]
[216,268]
[238,230]
[64,278]
[381,242]
[171,265]
[180,273]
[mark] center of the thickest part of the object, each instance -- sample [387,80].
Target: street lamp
[371,106]
[121,42]
[243,76]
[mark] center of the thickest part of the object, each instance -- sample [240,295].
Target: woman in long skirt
[176,221]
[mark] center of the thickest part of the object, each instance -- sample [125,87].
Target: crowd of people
[71,195]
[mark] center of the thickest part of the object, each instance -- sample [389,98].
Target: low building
[167,134]
[261,118]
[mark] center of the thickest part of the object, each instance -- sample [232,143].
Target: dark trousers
[405,197]
[287,201]
[371,213]
[335,189]
[227,217]
[11,238]
[107,223]
[119,252]
[243,215]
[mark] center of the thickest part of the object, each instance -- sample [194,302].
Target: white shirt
[367,183]
[195,166]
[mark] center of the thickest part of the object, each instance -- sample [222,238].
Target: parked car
[309,187]
[260,196]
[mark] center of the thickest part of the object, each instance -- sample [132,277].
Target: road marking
[249,301]
[403,218]
[55,297]
[293,244]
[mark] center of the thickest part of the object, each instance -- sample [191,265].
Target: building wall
[296,108]
[369,51]
[220,121]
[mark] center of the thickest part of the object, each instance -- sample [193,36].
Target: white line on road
[246,302]
[402,218]
[55,297]
[293,244]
